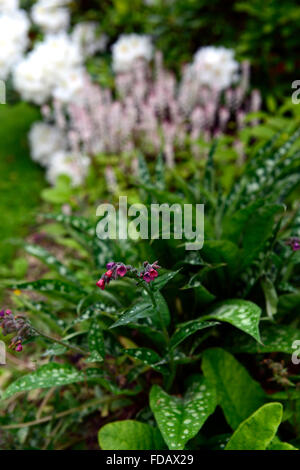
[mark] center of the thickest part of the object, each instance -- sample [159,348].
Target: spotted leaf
[242,314]
[180,419]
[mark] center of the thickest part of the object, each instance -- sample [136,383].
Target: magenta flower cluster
[14,324]
[294,243]
[118,269]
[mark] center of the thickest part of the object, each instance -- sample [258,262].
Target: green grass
[20,179]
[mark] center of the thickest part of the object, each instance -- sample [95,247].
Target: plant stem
[61,414]
[172,375]
[61,342]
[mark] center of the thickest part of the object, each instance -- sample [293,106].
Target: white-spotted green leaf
[148,357]
[51,287]
[189,328]
[49,375]
[162,307]
[238,394]
[77,223]
[130,435]
[180,419]
[242,314]
[57,375]
[96,342]
[93,311]
[274,338]
[138,311]
[50,260]
[257,431]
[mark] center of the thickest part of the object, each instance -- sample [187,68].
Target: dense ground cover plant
[199,356]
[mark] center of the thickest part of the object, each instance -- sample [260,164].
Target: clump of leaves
[160,356]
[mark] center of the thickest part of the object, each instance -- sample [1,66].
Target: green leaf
[49,375]
[257,231]
[138,311]
[209,175]
[147,356]
[277,444]
[216,252]
[129,435]
[180,419]
[163,279]
[238,394]
[51,286]
[96,342]
[234,225]
[146,309]
[274,338]
[162,307]
[270,296]
[257,431]
[160,171]
[144,175]
[78,223]
[50,260]
[187,329]
[57,375]
[60,193]
[242,314]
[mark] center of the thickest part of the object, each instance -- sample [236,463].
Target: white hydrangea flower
[75,166]
[129,48]
[45,140]
[50,16]
[8,5]
[31,81]
[85,35]
[14,27]
[216,67]
[46,69]
[58,53]
[70,85]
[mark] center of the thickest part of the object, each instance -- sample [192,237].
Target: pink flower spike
[8,312]
[121,270]
[19,348]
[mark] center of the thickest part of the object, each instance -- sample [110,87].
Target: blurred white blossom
[129,48]
[45,140]
[85,35]
[74,165]
[14,27]
[8,5]
[215,67]
[50,15]
[46,69]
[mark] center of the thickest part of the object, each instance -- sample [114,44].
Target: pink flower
[19,348]
[153,273]
[121,270]
[147,277]
[110,265]
[101,284]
